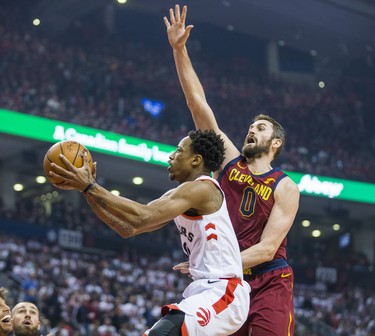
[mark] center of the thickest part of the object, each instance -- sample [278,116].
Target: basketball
[72,150]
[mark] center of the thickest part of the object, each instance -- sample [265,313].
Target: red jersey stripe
[228,297]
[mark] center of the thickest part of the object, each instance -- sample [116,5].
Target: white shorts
[213,307]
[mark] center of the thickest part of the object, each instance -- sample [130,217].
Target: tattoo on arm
[101,210]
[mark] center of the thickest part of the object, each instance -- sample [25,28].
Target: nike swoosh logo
[283,275]
[212,281]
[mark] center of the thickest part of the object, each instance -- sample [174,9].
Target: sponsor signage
[43,129]
[330,187]
[28,126]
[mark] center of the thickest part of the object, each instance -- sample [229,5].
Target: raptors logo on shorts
[204,316]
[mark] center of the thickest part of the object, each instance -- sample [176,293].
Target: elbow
[190,104]
[268,257]
[194,101]
[124,229]
[269,253]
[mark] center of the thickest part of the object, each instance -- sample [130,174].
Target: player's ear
[277,143]
[197,160]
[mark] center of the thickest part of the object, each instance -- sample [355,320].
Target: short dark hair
[3,293]
[210,145]
[278,131]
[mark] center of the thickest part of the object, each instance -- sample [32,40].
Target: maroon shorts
[271,304]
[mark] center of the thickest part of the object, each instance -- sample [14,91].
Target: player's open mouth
[250,140]
[6,319]
[27,323]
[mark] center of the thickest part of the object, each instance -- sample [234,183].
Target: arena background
[299,44]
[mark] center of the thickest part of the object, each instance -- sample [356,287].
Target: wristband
[89,186]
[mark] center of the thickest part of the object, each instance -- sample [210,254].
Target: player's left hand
[183,268]
[178,34]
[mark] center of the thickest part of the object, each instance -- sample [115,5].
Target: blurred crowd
[102,293]
[90,293]
[99,82]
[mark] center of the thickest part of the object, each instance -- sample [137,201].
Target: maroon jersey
[250,199]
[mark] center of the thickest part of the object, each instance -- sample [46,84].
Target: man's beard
[257,151]
[21,331]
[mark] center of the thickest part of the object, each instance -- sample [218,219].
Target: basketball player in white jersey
[217,300]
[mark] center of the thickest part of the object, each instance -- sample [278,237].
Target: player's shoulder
[288,182]
[196,186]
[198,194]
[231,151]
[287,186]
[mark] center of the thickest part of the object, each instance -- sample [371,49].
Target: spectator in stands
[25,319]
[107,328]
[5,314]
[30,287]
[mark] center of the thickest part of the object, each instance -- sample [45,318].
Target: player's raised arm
[202,113]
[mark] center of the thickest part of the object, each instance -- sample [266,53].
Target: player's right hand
[73,177]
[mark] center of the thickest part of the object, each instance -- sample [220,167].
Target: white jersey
[217,301]
[210,243]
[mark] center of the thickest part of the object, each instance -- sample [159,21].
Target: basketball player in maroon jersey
[262,201]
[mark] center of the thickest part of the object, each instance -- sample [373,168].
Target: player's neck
[195,176]
[259,165]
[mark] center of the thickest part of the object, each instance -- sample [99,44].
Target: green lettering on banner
[48,130]
[32,127]
[334,188]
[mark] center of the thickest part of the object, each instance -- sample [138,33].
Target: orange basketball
[72,150]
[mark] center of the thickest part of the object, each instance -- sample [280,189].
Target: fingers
[93,172]
[171,16]
[182,266]
[176,16]
[71,176]
[58,170]
[67,162]
[177,13]
[183,15]
[167,24]
[187,30]
[182,270]
[85,158]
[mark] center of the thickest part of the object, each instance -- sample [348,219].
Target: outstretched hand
[178,34]
[73,177]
